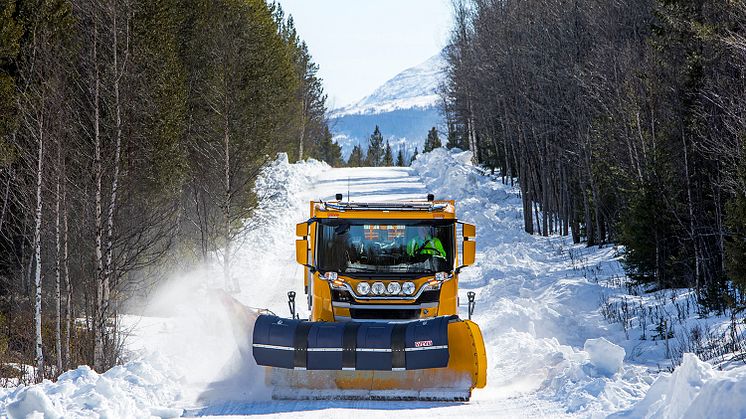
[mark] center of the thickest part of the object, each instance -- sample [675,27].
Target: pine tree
[307,129]
[433,141]
[356,157]
[453,138]
[10,35]
[330,152]
[400,158]
[375,148]
[388,157]
[414,156]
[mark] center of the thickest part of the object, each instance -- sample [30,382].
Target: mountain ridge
[405,107]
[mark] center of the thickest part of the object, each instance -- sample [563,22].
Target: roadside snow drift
[694,390]
[140,388]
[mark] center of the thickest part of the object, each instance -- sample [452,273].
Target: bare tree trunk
[117,72]
[472,135]
[99,323]
[229,285]
[544,182]
[37,252]
[302,135]
[590,236]
[508,168]
[68,283]
[716,192]
[199,204]
[5,198]
[692,225]
[57,265]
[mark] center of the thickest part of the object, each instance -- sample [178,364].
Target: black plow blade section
[436,395]
[366,346]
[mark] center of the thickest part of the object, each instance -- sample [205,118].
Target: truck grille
[374,314]
[432,296]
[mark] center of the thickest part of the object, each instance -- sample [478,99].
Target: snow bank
[141,388]
[607,357]
[266,249]
[694,390]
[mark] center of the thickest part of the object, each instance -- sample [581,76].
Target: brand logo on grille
[422,343]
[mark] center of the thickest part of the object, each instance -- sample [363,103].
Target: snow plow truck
[381,281]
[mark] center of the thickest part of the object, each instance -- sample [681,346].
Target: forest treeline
[622,121]
[131,133]
[379,151]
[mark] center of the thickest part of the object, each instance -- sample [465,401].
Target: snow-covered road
[372,184]
[537,304]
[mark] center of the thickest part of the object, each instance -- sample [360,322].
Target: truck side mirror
[301,252]
[469,250]
[469,253]
[469,230]
[301,229]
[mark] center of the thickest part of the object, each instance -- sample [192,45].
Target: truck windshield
[385,246]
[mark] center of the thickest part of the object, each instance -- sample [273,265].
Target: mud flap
[361,346]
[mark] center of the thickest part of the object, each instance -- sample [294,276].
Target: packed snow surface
[550,351]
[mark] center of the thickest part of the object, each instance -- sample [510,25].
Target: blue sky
[359,44]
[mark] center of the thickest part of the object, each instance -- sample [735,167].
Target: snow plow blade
[441,358]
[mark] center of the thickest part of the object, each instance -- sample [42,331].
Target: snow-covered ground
[551,350]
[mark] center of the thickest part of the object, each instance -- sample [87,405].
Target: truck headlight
[378,288]
[393,288]
[330,276]
[408,288]
[363,288]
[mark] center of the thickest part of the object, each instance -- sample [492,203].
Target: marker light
[363,288]
[433,284]
[378,288]
[408,288]
[393,288]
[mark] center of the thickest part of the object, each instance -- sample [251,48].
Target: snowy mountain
[405,108]
[415,87]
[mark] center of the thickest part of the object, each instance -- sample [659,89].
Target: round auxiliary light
[393,288]
[363,288]
[330,276]
[408,288]
[378,288]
